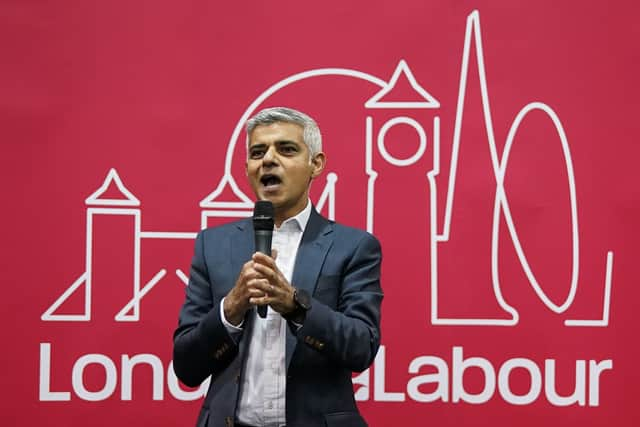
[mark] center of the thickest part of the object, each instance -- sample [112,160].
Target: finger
[259,300]
[248,272]
[263,259]
[255,293]
[247,267]
[260,284]
[265,271]
[274,254]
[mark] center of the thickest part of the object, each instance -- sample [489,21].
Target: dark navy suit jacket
[340,267]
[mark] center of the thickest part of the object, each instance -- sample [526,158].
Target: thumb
[274,254]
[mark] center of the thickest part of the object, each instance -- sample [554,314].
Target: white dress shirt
[262,393]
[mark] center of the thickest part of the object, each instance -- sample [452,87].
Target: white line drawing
[215,207]
[402,69]
[134,303]
[85,279]
[166,235]
[182,276]
[606,303]
[501,205]
[128,200]
[372,174]
[242,206]
[49,314]
[421,147]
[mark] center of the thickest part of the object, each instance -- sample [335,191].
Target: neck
[280,216]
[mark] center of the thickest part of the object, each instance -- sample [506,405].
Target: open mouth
[269,180]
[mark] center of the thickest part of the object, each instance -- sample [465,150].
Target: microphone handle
[263,244]
[262,311]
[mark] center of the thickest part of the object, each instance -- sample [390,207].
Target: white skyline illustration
[243,205]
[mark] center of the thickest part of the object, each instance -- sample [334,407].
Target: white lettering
[430,385]
[45,377]
[177,392]
[441,377]
[127,374]
[459,366]
[579,393]
[362,379]
[379,392]
[109,383]
[128,363]
[438,374]
[505,388]
[595,369]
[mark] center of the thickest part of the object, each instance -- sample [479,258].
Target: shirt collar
[301,219]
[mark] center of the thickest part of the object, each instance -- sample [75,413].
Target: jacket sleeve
[201,344]
[349,332]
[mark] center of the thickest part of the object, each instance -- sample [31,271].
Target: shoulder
[340,232]
[353,236]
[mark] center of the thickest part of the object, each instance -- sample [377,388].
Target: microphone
[263,229]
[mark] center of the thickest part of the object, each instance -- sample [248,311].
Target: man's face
[279,168]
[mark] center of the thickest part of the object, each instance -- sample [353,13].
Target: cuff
[232,329]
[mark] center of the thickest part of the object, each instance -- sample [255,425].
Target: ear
[318,162]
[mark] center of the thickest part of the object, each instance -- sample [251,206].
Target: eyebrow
[278,142]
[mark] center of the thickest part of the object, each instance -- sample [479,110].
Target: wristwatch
[303,304]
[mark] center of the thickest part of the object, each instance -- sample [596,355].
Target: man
[321,286]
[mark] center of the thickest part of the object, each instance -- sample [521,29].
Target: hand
[238,300]
[274,288]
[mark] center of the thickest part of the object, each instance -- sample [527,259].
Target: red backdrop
[491,146]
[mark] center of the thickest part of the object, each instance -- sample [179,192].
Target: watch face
[303,298]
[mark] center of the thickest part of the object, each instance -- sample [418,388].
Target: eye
[288,149]
[256,153]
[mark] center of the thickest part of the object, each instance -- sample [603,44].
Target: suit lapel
[314,246]
[242,247]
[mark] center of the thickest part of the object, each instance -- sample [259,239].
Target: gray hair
[310,131]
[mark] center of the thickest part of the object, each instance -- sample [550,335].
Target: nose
[269,156]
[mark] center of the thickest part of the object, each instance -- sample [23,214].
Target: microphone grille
[263,215]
